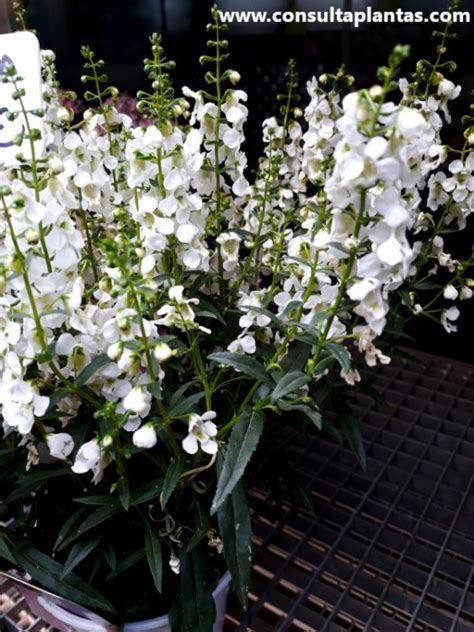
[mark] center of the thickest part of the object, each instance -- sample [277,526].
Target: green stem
[344,281]
[34,174]
[90,249]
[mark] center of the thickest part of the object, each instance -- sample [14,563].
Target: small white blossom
[449,316]
[450,293]
[60,445]
[201,433]
[137,401]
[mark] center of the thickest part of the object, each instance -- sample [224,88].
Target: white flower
[465,293]
[229,243]
[201,432]
[60,445]
[145,437]
[351,377]
[245,343]
[450,293]
[138,401]
[89,457]
[410,123]
[251,316]
[174,563]
[448,316]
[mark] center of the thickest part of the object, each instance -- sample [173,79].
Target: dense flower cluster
[328,219]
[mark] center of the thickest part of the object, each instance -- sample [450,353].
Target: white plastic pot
[66,616]
[161,624]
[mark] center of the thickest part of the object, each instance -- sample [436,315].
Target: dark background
[118,31]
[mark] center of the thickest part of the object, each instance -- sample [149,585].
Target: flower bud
[234,77]
[376,92]
[56,166]
[145,437]
[115,350]
[32,236]
[123,323]
[64,115]
[107,441]
[162,352]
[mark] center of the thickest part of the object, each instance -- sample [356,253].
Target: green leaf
[351,432]
[98,516]
[236,533]
[127,563]
[153,554]
[31,481]
[5,551]
[177,394]
[124,492]
[155,390]
[289,383]
[79,552]
[193,610]
[68,526]
[428,285]
[171,479]
[341,354]
[110,555]
[242,363]
[185,405]
[199,535]
[47,572]
[242,443]
[91,368]
[311,413]
[147,492]
[98,500]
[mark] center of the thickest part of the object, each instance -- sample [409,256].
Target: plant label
[21,50]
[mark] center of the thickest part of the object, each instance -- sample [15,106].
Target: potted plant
[161,315]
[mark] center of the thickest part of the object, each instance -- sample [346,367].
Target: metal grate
[390,549]
[14,613]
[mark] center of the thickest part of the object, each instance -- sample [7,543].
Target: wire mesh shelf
[391,548]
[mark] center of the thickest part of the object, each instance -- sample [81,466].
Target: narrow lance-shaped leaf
[79,552]
[171,479]
[341,354]
[47,572]
[153,554]
[91,368]
[98,516]
[244,364]
[351,432]
[193,610]
[236,533]
[242,443]
[289,383]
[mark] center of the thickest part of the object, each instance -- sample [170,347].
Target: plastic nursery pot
[161,624]
[66,616]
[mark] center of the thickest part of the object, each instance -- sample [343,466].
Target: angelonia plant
[164,312]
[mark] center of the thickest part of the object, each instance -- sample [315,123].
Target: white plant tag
[23,51]
[62,614]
